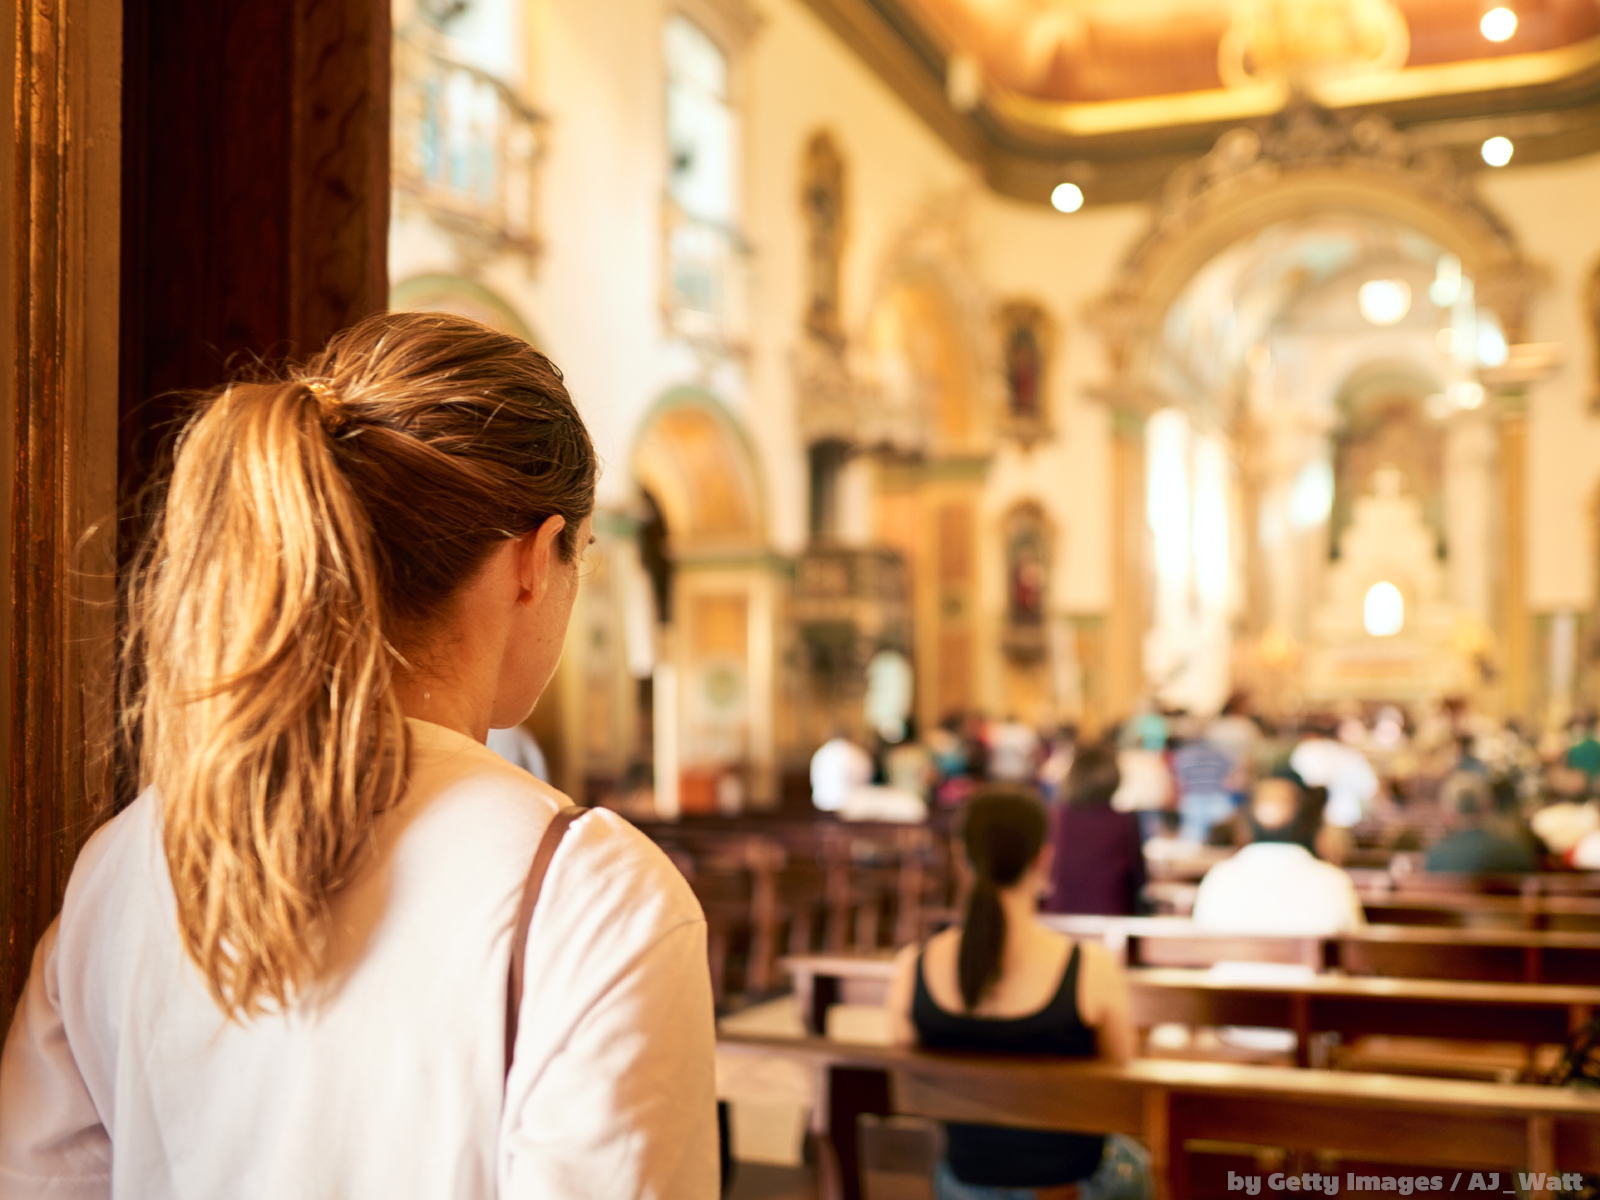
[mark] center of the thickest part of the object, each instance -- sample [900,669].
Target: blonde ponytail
[309,527]
[267,721]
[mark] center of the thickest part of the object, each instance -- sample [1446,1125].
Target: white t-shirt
[122,1078]
[1344,771]
[1277,887]
[521,749]
[837,768]
[1012,750]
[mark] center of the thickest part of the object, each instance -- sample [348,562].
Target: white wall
[595,301]
[1065,262]
[1551,208]
[802,79]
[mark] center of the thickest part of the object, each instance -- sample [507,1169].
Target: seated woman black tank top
[990,1156]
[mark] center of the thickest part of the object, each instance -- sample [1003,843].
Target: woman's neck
[1020,904]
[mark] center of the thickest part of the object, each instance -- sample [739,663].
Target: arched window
[705,254]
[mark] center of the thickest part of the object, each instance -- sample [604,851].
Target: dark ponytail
[1003,831]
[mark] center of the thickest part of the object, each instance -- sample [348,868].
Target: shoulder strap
[554,832]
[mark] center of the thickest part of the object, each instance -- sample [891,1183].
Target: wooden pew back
[1457,1126]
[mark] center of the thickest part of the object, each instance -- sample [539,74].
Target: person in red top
[1099,859]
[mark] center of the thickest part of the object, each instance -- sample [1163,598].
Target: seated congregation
[1046,990]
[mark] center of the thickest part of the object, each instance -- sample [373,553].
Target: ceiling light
[1067,198]
[1446,284]
[1384,301]
[1497,151]
[1498,24]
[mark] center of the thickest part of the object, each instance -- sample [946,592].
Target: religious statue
[1024,342]
[822,201]
[1022,372]
[1027,566]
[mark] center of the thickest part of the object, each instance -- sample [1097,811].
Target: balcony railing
[466,147]
[707,278]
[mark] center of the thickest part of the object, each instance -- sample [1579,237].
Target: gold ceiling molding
[1301,163]
[1250,100]
[1125,150]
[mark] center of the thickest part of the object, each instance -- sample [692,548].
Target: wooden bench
[1420,952]
[824,881]
[1478,910]
[1529,1014]
[1417,882]
[1449,1124]
[1350,1006]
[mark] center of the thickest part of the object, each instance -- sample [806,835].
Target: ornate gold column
[1515,642]
[1128,616]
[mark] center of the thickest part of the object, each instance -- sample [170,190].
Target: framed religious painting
[1027,338]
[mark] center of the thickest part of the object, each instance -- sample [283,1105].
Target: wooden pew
[1480,910]
[1351,1006]
[1449,1124]
[823,980]
[1487,955]
[1418,882]
[840,884]
[1509,956]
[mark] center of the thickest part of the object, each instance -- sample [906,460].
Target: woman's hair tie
[334,415]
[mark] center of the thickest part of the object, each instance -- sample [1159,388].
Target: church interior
[1209,385]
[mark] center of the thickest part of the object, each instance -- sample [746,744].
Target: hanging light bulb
[1498,24]
[1067,198]
[1497,151]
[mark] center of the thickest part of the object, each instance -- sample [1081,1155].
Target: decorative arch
[948,400]
[694,459]
[465,297]
[1302,163]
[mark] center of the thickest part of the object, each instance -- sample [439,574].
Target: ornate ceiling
[1112,94]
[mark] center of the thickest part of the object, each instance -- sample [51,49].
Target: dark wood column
[58,346]
[246,145]
[255,193]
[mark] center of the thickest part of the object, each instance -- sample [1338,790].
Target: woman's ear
[1045,866]
[537,554]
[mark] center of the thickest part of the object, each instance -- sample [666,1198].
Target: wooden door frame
[60,199]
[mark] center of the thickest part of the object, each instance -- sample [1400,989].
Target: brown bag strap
[554,832]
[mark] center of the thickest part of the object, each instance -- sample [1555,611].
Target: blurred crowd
[1448,789]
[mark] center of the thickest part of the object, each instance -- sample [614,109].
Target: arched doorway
[707,699]
[465,297]
[1310,287]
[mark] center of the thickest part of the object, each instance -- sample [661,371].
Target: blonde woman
[282,971]
[1004,983]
